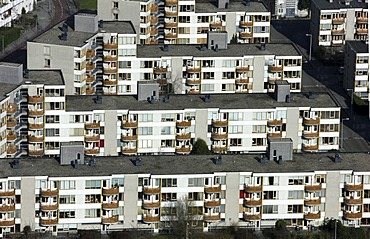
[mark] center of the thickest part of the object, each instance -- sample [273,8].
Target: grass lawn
[8,35]
[86,4]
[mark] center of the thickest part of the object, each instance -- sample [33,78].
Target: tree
[343,232]
[200,147]
[279,232]
[304,5]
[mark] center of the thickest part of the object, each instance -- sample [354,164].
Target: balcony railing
[35,99]
[112,205]
[6,194]
[128,151]
[90,79]
[90,67]
[154,8]
[362,20]
[110,58]
[252,202]
[275,135]
[312,216]
[181,124]
[219,149]
[128,137]
[313,188]
[110,191]
[12,108]
[252,217]
[170,24]
[148,190]
[90,91]
[352,215]
[183,150]
[309,121]
[245,24]
[90,54]
[109,82]
[249,188]
[212,218]
[308,134]
[275,122]
[150,219]
[92,138]
[36,126]
[220,123]
[92,151]
[170,35]
[353,201]
[215,24]
[11,123]
[219,136]
[92,125]
[171,2]
[242,81]
[160,69]
[190,81]
[110,46]
[7,223]
[193,69]
[339,20]
[49,207]
[245,35]
[275,68]
[315,201]
[12,149]
[242,68]
[49,192]
[110,70]
[131,124]
[35,139]
[186,136]
[362,31]
[273,79]
[11,136]
[7,208]
[36,152]
[150,205]
[38,112]
[307,147]
[214,189]
[337,32]
[212,203]
[353,187]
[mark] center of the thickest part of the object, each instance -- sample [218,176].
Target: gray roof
[339,4]
[77,38]
[188,164]
[234,6]
[358,46]
[47,77]
[233,50]
[178,102]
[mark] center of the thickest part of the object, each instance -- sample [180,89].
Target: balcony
[6,194]
[353,201]
[36,126]
[49,207]
[110,191]
[252,217]
[162,81]
[275,135]
[214,189]
[112,205]
[219,136]
[90,79]
[160,69]
[186,136]
[90,54]
[242,81]
[148,190]
[308,134]
[193,91]
[12,108]
[170,35]
[307,147]
[110,70]
[215,24]
[150,205]
[109,82]
[171,2]
[190,81]
[92,138]
[252,189]
[273,79]
[252,202]
[219,149]
[352,215]
[153,32]
[128,137]
[11,123]
[212,218]
[49,192]
[90,91]
[183,150]
[90,67]
[362,20]
[7,208]
[193,69]
[35,139]
[245,35]
[275,68]
[49,222]
[220,123]
[338,20]
[245,24]
[38,112]
[154,8]
[309,121]
[171,13]
[153,20]
[242,68]
[362,31]
[337,32]
[12,149]
[170,24]
[316,201]
[95,125]
[35,99]
[150,219]
[128,151]
[110,46]
[312,216]
[7,223]
[92,151]
[313,188]
[11,136]
[129,124]
[212,203]
[275,122]
[353,187]
[182,124]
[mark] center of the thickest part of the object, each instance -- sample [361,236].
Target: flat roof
[234,6]
[233,50]
[47,77]
[187,164]
[178,102]
[358,46]
[339,4]
[77,38]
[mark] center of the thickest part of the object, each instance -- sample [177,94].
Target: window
[295,181]
[67,184]
[329,114]
[295,208]
[295,195]
[123,64]
[195,196]
[235,142]
[208,87]
[168,211]
[259,129]
[145,117]
[169,197]
[168,117]
[259,116]
[269,181]
[195,182]
[270,195]
[14,184]
[118,181]
[92,198]
[47,63]
[47,50]
[329,128]
[270,209]
[169,182]
[92,184]
[67,214]
[145,130]
[258,142]
[52,132]
[52,119]
[235,116]
[167,130]
[235,129]
[91,213]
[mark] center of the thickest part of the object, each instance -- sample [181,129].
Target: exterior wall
[12,10]
[130,199]
[11,73]
[110,133]
[332,208]
[28,202]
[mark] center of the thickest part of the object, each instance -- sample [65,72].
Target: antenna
[138,161]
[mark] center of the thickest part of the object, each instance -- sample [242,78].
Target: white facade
[12,10]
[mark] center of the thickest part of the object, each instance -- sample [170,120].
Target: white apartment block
[112,63]
[187,22]
[335,22]
[284,9]
[12,10]
[114,194]
[356,69]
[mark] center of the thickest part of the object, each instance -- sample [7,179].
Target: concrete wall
[218,39]
[110,133]
[232,190]
[332,204]
[201,128]
[349,67]
[147,90]
[69,152]
[11,73]
[230,25]
[176,74]
[292,126]
[28,202]
[86,23]
[282,147]
[350,24]
[258,73]
[130,198]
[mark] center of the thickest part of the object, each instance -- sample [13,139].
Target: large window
[169,182]
[195,182]
[92,184]
[270,209]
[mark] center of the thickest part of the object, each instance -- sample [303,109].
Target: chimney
[282,91]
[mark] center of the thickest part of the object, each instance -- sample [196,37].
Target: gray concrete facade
[110,133]
[28,202]
[131,209]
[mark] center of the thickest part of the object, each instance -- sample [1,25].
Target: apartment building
[114,194]
[12,10]
[334,22]
[356,69]
[112,63]
[284,8]
[187,22]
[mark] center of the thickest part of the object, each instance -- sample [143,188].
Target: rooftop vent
[25,73]
[280,160]
[207,98]
[287,99]
[165,48]
[101,23]
[65,27]
[75,163]
[15,164]
[152,100]
[311,95]
[263,159]
[138,162]
[98,100]
[263,47]
[166,98]
[218,160]
[64,36]
[337,158]
[91,162]
[215,47]
[247,3]
[202,47]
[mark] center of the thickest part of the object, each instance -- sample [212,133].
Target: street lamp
[341,132]
[309,56]
[351,101]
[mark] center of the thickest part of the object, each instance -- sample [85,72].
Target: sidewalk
[44,15]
